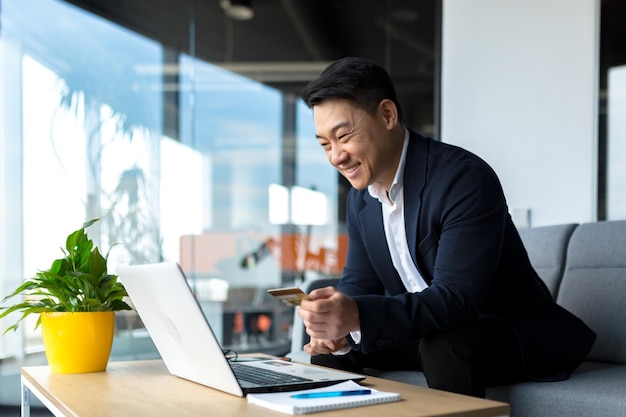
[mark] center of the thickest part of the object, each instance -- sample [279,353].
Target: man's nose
[337,155]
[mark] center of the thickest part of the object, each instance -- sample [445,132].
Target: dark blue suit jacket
[468,251]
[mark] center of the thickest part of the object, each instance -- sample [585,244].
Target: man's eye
[345,136]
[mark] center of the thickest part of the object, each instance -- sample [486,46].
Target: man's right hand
[324,347]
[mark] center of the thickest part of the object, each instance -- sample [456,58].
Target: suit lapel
[373,230]
[414,183]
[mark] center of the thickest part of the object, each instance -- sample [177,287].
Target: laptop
[183,336]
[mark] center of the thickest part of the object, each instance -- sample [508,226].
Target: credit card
[291,296]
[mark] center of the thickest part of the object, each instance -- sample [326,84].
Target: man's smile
[350,170]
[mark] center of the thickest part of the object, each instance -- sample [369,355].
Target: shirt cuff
[356,336]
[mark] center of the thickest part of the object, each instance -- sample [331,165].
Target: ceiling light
[238,9]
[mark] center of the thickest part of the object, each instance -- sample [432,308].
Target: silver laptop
[180,331]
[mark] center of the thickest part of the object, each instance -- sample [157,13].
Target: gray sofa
[584,266]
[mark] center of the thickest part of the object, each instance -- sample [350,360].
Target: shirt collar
[377,191]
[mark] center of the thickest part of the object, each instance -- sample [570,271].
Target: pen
[332,393]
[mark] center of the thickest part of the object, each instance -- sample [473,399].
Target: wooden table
[145,388]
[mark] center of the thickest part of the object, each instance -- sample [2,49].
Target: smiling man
[436,278]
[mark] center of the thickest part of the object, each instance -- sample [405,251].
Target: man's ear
[389,113]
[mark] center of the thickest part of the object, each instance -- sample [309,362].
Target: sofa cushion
[546,247]
[595,389]
[594,284]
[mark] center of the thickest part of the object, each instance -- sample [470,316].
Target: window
[94,143]
[616,138]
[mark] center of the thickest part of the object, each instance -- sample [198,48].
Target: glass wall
[84,137]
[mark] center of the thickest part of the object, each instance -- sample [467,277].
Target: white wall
[519,88]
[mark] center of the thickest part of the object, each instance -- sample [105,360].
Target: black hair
[356,79]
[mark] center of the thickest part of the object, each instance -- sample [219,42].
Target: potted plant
[76,300]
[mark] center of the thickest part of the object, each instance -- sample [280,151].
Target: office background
[180,127]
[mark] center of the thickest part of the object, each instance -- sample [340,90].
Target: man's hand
[324,347]
[329,315]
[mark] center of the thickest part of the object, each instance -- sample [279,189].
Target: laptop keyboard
[264,376]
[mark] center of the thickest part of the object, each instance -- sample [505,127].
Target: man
[436,278]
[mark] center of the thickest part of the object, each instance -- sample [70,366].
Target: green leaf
[89,223]
[79,281]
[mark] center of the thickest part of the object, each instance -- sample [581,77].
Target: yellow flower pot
[78,342]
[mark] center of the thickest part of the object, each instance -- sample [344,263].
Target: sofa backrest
[584,266]
[594,285]
[547,247]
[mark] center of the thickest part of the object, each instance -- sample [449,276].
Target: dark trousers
[464,360]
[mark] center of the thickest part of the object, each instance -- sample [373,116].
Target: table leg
[25,406]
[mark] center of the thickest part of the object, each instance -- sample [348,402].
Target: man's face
[357,143]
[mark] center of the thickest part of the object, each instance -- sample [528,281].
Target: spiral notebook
[285,402]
